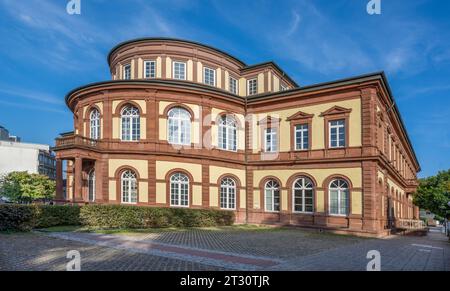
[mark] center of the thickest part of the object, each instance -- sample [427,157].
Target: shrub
[16,217]
[121,216]
[48,216]
[26,217]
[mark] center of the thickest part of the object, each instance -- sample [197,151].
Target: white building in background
[21,157]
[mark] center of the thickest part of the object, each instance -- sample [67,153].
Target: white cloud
[31,95]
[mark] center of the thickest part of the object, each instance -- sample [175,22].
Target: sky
[45,52]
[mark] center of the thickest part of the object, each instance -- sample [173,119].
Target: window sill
[179,206]
[302,212]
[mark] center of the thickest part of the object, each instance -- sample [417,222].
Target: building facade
[27,157]
[182,124]
[5,136]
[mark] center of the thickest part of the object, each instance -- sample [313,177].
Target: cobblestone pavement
[199,249]
[398,253]
[38,252]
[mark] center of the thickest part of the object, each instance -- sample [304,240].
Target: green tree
[433,194]
[22,187]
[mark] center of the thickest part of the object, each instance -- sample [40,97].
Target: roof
[244,65]
[275,65]
[146,39]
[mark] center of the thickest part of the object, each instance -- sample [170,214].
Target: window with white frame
[252,87]
[337,133]
[150,69]
[179,190]
[271,139]
[127,72]
[179,70]
[339,197]
[131,124]
[95,124]
[227,133]
[301,137]
[179,126]
[272,196]
[228,194]
[303,195]
[91,185]
[129,187]
[209,76]
[233,85]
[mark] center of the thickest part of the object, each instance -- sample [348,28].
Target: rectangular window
[233,85]
[271,140]
[179,71]
[127,72]
[209,76]
[301,137]
[252,86]
[337,133]
[150,69]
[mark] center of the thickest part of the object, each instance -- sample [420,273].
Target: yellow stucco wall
[160,192]
[197,195]
[354,174]
[140,165]
[199,72]
[357,202]
[133,65]
[260,83]
[320,201]
[112,191]
[276,83]
[318,127]
[242,87]
[162,167]
[227,80]
[140,68]
[168,67]
[143,192]
[215,173]
[213,197]
[190,70]
[219,78]
[158,67]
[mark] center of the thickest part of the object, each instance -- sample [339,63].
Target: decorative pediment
[335,110]
[300,115]
[269,120]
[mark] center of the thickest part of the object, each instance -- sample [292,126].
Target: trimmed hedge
[121,216]
[27,217]
[16,217]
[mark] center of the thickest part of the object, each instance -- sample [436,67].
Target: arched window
[91,185]
[339,197]
[227,133]
[228,194]
[179,131]
[95,124]
[303,198]
[131,124]
[272,195]
[179,190]
[129,187]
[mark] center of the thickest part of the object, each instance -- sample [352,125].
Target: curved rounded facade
[182,124]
